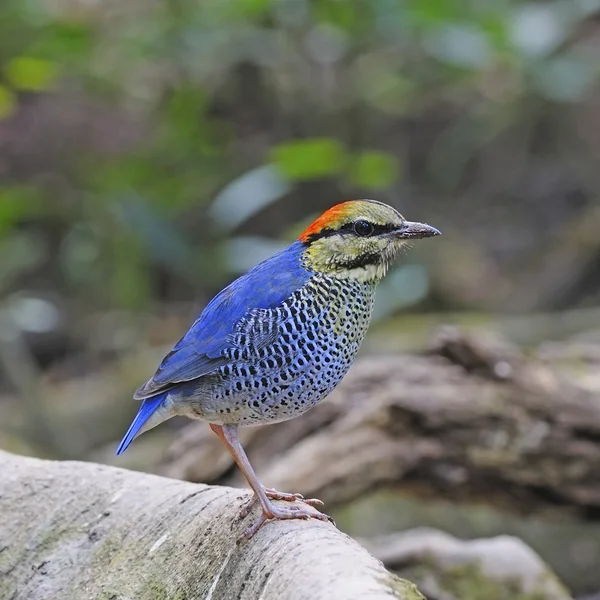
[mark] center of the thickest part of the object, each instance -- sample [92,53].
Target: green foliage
[205,114]
[309,159]
[16,204]
[31,74]
[316,158]
[374,170]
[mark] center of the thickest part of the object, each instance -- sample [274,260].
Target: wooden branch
[473,419]
[75,531]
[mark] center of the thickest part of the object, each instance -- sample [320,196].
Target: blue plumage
[200,351]
[146,410]
[280,338]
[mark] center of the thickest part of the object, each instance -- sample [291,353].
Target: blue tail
[146,410]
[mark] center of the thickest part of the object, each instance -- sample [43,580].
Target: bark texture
[83,531]
[472,419]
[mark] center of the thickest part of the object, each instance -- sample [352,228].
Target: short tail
[147,409]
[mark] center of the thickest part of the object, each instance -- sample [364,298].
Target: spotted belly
[283,361]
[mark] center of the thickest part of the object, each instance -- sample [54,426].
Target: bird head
[359,239]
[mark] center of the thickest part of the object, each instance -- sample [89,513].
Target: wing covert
[200,350]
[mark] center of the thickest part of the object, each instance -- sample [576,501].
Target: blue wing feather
[200,351]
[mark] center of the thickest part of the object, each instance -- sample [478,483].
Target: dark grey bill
[415,231]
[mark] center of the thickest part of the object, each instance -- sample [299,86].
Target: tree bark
[472,419]
[84,531]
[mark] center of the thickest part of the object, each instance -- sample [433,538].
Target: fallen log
[471,419]
[78,531]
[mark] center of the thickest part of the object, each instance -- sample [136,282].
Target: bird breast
[284,360]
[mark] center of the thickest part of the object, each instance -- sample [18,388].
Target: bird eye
[363,228]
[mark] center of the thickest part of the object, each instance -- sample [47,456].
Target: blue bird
[277,340]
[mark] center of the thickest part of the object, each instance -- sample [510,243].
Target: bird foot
[276,513]
[275,495]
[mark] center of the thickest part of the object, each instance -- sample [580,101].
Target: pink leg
[275,495]
[228,434]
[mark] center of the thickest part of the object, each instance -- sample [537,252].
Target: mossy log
[79,531]
[473,418]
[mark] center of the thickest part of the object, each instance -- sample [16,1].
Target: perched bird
[278,340]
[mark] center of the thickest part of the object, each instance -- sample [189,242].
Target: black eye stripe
[377,228]
[349,229]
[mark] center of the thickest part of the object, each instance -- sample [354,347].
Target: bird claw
[275,495]
[249,533]
[278,514]
[301,508]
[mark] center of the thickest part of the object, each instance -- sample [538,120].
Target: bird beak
[415,231]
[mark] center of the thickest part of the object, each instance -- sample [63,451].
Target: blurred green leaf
[309,159]
[373,169]
[17,202]
[436,11]
[8,102]
[226,11]
[64,41]
[348,15]
[31,74]
[253,7]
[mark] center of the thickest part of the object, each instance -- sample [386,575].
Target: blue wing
[200,351]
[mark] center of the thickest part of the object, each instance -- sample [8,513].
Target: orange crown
[330,219]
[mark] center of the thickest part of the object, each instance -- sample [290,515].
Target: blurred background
[152,151]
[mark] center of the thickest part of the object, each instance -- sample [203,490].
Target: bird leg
[228,434]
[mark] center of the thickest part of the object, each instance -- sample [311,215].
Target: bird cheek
[395,247]
[386,245]
[332,245]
